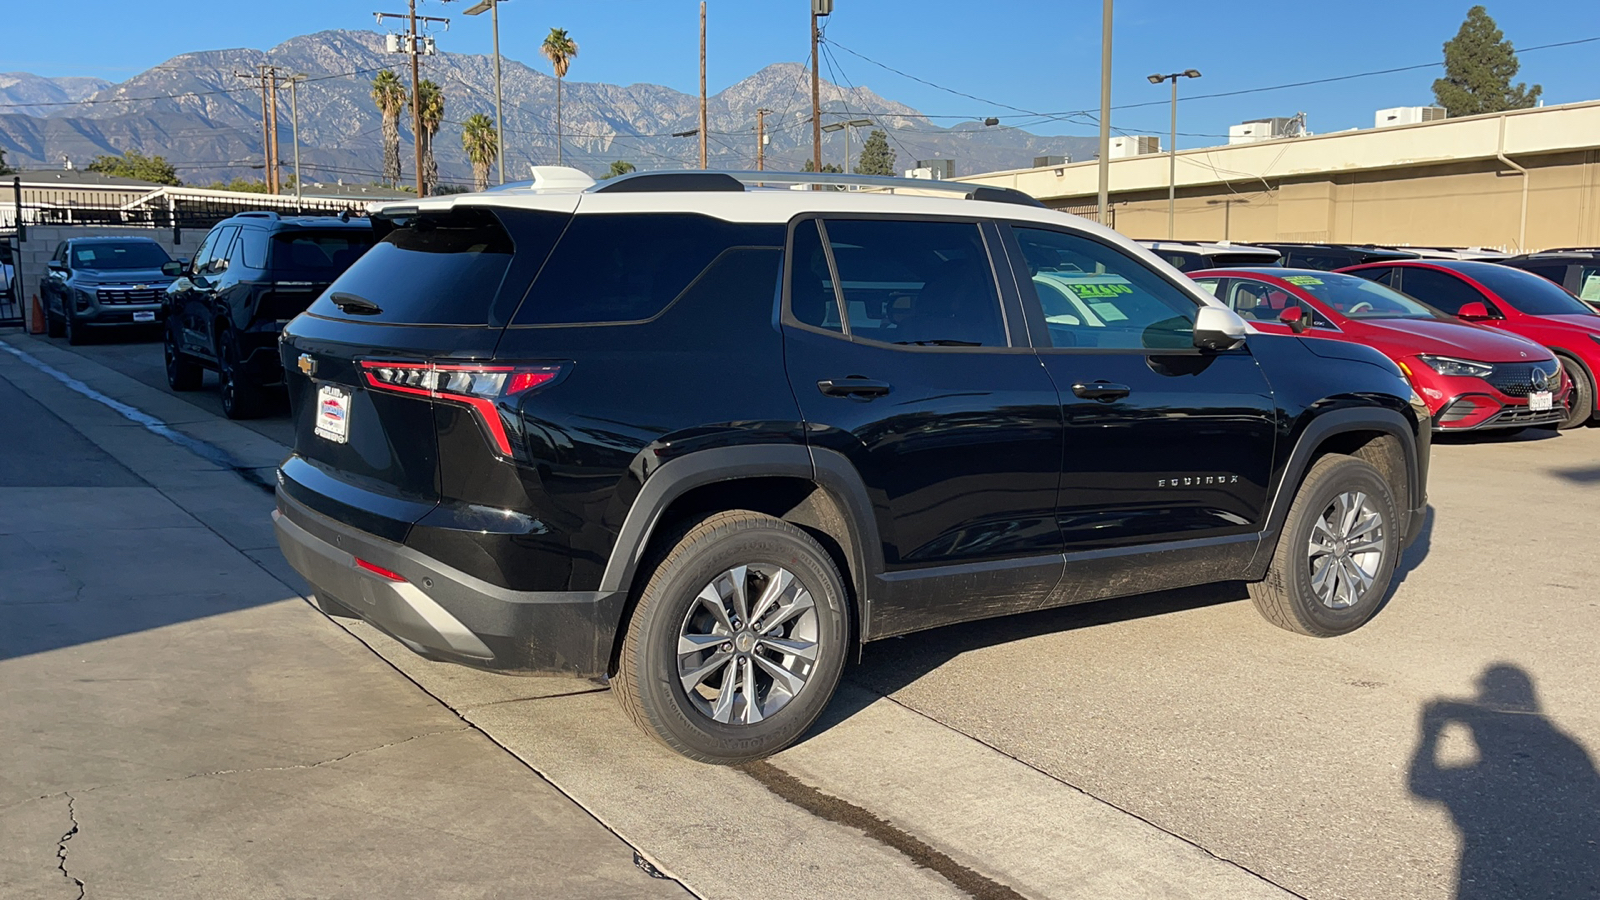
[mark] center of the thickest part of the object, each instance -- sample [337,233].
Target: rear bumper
[442,613]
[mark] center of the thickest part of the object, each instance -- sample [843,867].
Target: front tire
[1580,403]
[183,373]
[70,329]
[1337,553]
[737,642]
[52,325]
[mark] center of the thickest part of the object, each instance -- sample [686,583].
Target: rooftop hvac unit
[1040,162]
[1409,115]
[941,168]
[1134,145]
[1262,130]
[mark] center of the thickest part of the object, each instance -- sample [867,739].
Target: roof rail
[742,179]
[256,214]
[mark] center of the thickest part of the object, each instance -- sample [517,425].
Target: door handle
[1101,390]
[854,386]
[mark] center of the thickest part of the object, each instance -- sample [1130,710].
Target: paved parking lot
[1170,745]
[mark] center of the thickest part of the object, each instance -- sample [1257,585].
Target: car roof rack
[743,179]
[256,214]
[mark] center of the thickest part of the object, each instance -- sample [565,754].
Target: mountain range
[197,111]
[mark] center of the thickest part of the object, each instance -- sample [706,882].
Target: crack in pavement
[61,846]
[316,765]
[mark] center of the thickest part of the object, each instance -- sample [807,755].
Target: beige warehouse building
[1521,180]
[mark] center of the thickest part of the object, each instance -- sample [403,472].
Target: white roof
[557,191]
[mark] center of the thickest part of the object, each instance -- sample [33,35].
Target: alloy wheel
[1345,551]
[748,644]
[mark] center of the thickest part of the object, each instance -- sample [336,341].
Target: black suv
[704,441]
[1328,257]
[103,282]
[1575,268]
[252,274]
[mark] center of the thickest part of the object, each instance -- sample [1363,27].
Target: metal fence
[1092,213]
[174,208]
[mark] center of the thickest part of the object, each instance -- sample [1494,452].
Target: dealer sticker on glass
[333,414]
[1540,401]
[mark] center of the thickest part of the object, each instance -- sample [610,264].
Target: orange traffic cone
[36,324]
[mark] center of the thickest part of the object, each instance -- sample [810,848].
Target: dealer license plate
[1541,401]
[146,316]
[333,414]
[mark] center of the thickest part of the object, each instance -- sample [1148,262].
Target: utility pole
[1104,205]
[416,107]
[819,8]
[275,183]
[761,138]
[294,131]
[702,84]
[266,147]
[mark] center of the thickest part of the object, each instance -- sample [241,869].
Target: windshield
[1358,298]
[119,255]
[317,255]
[1529,293]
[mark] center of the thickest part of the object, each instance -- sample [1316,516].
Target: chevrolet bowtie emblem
[307,365]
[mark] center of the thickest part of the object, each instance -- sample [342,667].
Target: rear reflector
[480,386]
[378,570]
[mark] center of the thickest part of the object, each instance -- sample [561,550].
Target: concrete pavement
[1171,745]
[176,722]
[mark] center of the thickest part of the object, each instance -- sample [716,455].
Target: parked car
[103,282]
[1472,378]
[1511,300]
[1575,268]
[1187,256]
[252,274]
[1333,256]
[702,441]
[1478,253]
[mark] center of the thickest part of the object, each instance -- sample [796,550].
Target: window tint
[916,283]
[811,297]
[1440,290]
[1383,276]
[118,255]
[440,268]
[1528,292]
[1312,259]
[1184,262]
[1095,296]
[316,255]
[628,267]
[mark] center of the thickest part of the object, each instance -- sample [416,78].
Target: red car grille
[1516,379]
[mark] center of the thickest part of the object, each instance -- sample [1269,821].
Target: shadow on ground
[1524,796]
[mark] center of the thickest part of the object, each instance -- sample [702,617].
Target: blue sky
[1029,54]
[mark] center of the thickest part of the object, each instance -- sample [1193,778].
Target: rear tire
[1336,555]
[52,325]
[241,397]
[783,659]
[183,373]
[70,329]
[1580,403]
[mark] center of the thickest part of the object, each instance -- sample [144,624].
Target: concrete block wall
[44,239]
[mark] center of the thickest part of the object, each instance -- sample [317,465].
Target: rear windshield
[305,255]
[119,255]
[441,268]
[1528,292]
[1358,298]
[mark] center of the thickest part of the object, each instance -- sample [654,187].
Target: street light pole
[1104,204]
[294,131]
[493,8]
[1172,151]
[845,127]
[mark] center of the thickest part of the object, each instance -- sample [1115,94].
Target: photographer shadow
[1524,795]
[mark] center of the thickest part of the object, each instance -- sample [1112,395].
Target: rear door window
[916,283]
[444,268]
[629,267]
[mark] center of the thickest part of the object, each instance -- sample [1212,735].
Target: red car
[1509,300]
[1471,377]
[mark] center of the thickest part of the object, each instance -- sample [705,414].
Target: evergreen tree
[1479,64]
[827,168]
[5,169]
[134,164]
[877,157]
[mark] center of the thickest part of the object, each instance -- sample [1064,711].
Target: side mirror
[57,268]
[1295,318]
[1218,328]
[1470,311]
[172,269]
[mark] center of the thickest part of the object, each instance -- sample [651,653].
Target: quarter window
[927,284]
[1095,296]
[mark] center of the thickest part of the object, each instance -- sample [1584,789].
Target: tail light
[483,387]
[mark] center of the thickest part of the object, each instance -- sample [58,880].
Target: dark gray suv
[103,281]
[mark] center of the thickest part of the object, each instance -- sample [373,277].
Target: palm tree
[478,138]
[560,49]
[431,110]
[391,97]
